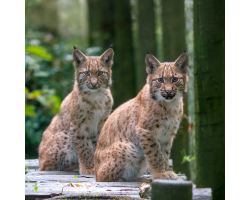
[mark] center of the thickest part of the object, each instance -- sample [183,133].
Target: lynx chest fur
[139,134]
[71,138]
[169,122]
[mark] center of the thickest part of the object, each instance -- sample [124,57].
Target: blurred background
[164,28]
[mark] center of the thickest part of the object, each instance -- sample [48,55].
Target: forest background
[165,29]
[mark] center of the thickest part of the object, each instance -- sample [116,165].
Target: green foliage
[35,186]
[46,98]
[38,51]
[76,177]
[48,79]
[186,158]
[93,51]
[26,169]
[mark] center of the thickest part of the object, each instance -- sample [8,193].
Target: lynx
[139,134]
[72,134]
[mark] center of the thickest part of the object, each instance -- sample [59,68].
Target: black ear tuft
[148,52]
[74,47]
[185,51]
[111,46]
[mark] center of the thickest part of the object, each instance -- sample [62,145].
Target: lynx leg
[155,157]
[166,150]
[124,164]
[84,148]
[107,173]
[49,161]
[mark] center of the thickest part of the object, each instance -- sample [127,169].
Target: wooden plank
[202,194]
[95,184]
[39,173]
[97,196]
[90,188]
[62,178]
[33,164]
[40,176]
[87,188]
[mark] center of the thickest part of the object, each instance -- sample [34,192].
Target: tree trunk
[146,39]
[209,70]
[173,27]
[123,88]
[100,23]
[43,15]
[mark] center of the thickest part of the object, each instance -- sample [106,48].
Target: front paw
[87,171]
[167,175]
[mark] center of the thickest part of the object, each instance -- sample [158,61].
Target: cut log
[173,190]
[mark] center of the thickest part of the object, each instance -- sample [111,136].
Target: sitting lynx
[139,134]
[73,133]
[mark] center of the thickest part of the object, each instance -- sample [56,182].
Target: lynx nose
[93,82]
[168,90]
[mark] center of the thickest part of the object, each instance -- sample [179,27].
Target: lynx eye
[100,73]
[160,80]
[175,79]
[87,73]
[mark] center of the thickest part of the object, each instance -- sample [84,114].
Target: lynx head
[93,72]
[168,80]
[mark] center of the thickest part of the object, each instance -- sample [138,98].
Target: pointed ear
[78,57]
[107,57]
[182,63]
[152,63]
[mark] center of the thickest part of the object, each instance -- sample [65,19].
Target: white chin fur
[94,90]
[168,100]
[162,99]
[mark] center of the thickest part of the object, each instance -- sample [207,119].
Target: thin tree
[173,38]
[43,15]
[146,39]
[209,71]
[100,14]
[110,23]
[123,88]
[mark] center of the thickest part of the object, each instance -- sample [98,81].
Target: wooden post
[171,190]
[146,39]
[209,82]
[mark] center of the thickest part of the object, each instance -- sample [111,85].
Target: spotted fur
[139,134]
[72,134]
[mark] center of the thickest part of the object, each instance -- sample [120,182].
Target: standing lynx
[139,134]
[73,133]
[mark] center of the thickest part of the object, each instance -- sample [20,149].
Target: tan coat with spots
[73,133]
[139,134]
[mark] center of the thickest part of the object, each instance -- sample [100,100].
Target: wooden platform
[54,183]
[32,164]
